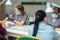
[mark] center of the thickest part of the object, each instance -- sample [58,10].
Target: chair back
[28,38]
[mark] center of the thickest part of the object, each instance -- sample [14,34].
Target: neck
[44,22]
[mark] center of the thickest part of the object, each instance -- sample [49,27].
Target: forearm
[19,23]
[3,24]
[5,19]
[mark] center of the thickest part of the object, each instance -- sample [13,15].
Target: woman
[19,17]
[53,18]
[40,28]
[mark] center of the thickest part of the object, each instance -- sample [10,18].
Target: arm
[5,19]
[22,21]
[10,16]
[3,22]
[19,23]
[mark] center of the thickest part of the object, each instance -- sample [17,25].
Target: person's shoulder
[32,25]
[50,26]
[25,14]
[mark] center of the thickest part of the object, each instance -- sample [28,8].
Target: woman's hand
[15,21]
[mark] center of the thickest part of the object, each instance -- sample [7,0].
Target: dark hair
[56,8]
[20,8]
[40,15]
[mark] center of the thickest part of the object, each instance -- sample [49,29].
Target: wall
[2,11]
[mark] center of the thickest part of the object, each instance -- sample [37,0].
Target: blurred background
[31,6]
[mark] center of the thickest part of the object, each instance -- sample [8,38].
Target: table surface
[23,29]
[18,29]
